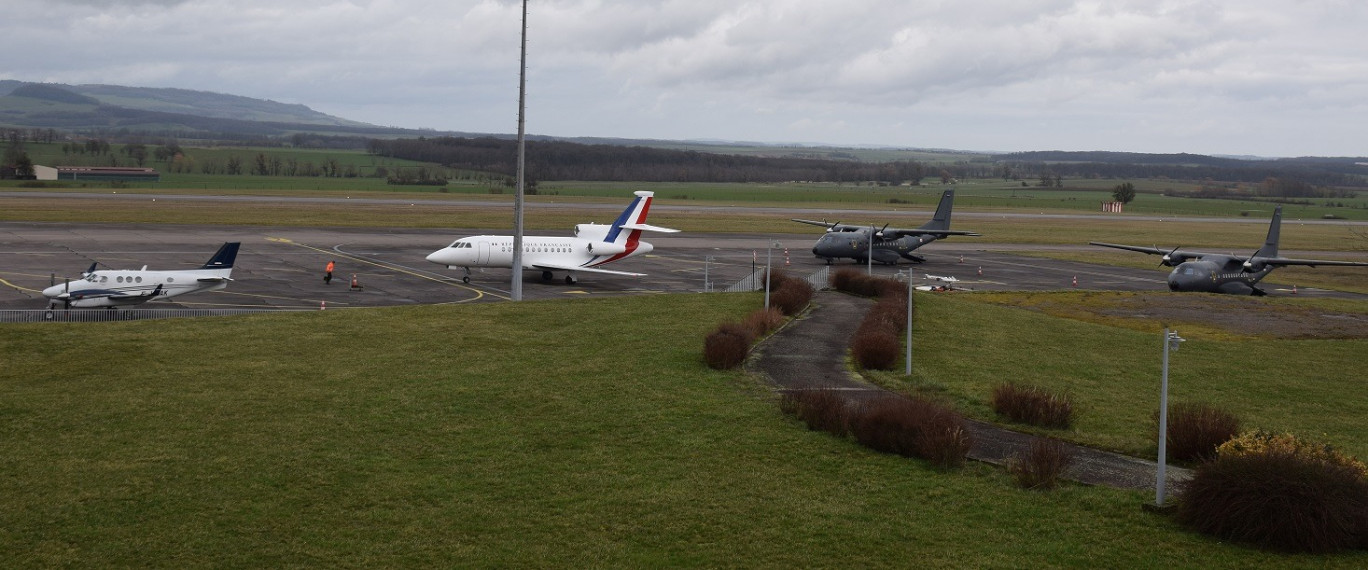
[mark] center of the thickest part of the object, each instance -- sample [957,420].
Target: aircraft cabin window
[139,279]
[104,279]
[170,279]
[120,279]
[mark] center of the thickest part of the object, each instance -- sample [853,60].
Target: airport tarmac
[282,267]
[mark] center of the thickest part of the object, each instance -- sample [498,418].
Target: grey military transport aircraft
[1222,273]
[845,240]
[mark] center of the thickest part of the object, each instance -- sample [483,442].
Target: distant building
[99,173]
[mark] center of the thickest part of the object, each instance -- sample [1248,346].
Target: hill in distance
[89,98]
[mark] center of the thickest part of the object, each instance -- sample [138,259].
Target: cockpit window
[1187,271]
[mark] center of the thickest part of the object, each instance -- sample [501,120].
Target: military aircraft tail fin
[1270,246]
[941,221]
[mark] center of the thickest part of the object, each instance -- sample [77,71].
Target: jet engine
[606,248]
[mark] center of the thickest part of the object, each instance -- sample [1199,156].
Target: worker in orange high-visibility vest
[327,272]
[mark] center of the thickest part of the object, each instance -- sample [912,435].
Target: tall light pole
[909,322]
[1171,340]
[515,289]
[769,254]
[869,253]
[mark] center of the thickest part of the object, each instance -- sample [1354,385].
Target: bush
[857,282]
[1259,441]
[761,321]
[889,314]
[726,347]
[912,428]
[840,279]
[1278,499]
[875,350]
[823,409]
[1033,405]
[1196,429]
[792,296]
[1042,464]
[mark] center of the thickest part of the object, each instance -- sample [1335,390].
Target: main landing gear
[569,278]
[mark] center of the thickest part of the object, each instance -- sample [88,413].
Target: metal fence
[112,315]
[756,281]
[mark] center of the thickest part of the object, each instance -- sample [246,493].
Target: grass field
[966,345]
[556,434]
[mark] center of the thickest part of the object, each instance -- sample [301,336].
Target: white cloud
[1217,76]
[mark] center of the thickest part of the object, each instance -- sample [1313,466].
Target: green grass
[561,433]
[965,345]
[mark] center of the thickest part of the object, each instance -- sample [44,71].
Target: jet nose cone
[435,256]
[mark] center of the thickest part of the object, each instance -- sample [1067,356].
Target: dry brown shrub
[1033,405]
[1196,429]
[761,321]
[727,346]
[1041,466]
[875,350]
[823,409]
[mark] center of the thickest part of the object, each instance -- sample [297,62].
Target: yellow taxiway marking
[478,293]
[16,287]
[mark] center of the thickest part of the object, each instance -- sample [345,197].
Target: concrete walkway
[810,353]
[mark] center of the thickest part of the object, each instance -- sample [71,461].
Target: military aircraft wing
[1308,262]
[1172,257]
[833,226]
[1141,249]
[886,232]
[893,233]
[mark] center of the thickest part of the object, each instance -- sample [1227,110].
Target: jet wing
[213,280]
[559,267]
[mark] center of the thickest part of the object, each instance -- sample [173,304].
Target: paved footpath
[810,353]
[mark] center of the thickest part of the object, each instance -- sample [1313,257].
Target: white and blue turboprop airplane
[118,287]
[593,246]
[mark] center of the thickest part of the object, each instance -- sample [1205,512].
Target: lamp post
[869,253]
[515,288]
[909,322]
[1171,341]
[769,252]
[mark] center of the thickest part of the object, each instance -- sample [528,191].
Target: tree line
[560,160]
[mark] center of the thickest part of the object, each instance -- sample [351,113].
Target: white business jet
[593,245]
[117,287]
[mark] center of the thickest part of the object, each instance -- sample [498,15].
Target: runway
[280,267]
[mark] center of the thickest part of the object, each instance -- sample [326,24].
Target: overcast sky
[1259,77]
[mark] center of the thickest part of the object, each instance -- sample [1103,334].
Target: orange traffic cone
[355,286]
[980,271]
[1294,289]
[786,257]
[1075,281]
[961,258]
[322,305]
